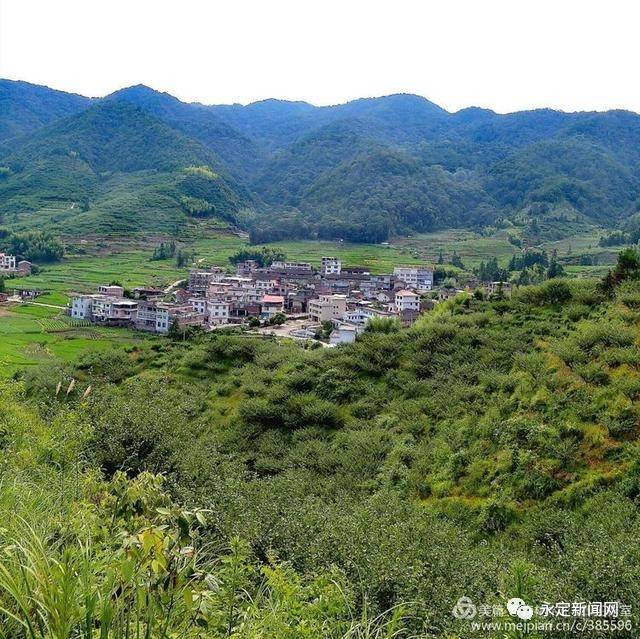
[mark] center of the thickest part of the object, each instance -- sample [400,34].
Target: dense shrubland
[490,450]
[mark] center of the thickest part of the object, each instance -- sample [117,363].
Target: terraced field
[32,335]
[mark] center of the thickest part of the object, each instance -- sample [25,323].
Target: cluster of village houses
[10,266]
[347,297]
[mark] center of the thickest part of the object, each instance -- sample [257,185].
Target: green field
[32,335]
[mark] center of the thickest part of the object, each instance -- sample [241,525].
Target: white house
[415,277]
[7,262]
[81,306]
[218,312]
[407,301]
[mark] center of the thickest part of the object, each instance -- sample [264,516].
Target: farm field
[32,335]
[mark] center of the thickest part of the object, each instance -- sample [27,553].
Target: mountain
[362,171]
[116,151]
[27,107]
[240,154]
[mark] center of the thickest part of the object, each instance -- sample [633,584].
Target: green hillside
[115,167]
[363,171]
[491,449]
[26,108]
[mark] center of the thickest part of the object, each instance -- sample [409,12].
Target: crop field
[32,335]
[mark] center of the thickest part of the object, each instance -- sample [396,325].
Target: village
[333,303]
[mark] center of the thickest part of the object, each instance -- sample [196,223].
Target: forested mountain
[241,154]
[25,107]
[116,151]
[361,171]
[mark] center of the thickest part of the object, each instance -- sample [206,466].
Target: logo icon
[464,609]
[518,608]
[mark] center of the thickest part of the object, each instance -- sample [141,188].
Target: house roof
[273,299]
[406,292]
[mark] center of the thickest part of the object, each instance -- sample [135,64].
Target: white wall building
[330,266]
[327,307]
[7,262]
[218,312]
[415,277]
[81,307]
[407,301]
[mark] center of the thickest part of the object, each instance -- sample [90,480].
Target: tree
[456,261]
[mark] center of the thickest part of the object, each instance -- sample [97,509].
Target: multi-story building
[407,301]
[198,304]
[111,290]
[7,262]
[272,305]
[327,307]
[113,310]
[81,306]
[418,278]
[291,266]
[330,266]
[218,312]
[159,317]
[199,281]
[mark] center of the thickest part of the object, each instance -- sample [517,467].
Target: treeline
[264,256]
[532,267]
[34,246]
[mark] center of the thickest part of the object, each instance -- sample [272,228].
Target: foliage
[36,246]
[359,172]
[263,255]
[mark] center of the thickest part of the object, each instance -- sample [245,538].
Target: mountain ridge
[364,170]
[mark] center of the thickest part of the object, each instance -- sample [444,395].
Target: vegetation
[491,449]
[263,256]
[35,246]
[360,172]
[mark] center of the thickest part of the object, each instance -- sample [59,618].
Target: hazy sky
[503,54]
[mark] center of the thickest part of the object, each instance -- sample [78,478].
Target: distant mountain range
[141,160]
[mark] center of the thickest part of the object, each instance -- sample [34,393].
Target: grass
[32,335]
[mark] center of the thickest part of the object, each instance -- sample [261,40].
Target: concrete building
[81,307]
[7,262]
[111,290]
[199,281]
[291,266]
[159,317]
[271,305]
[406,301]
[330,266]
[414,277]
[113,310]
[327,308]
[218,312]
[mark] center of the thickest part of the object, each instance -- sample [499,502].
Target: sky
[504,55]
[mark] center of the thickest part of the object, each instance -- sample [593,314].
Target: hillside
[362,171]
[116,155]
[487,450]
[241,155]
[27,107]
